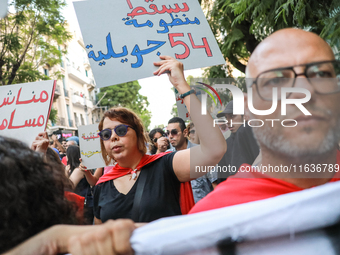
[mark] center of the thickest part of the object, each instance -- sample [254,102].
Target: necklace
[134,174]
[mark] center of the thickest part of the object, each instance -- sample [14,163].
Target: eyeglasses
[172,132]
[120,130]
[192,132]
[323,76]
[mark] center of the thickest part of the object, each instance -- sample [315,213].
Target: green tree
[127,95]
[240,25]
[29,38]
[53,115]
[161,126]
[174,111]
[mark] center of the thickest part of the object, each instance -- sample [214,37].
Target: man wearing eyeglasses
[177,134]
[294,157]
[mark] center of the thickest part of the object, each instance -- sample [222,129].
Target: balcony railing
[92,82]
[80,101]
[57,90]
[78,75]
[60,122]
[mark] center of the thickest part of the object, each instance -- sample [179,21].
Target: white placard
[89,142]
[25,108]
[124,39]
[3,8]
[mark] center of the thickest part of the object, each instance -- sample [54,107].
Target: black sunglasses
[156,139]
[172,132]
[120,130]
[192,132]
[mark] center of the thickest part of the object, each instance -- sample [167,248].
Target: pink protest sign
[25,108]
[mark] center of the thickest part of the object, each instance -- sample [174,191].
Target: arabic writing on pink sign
[9,100]
[24,109]
[90,136]
[90,149]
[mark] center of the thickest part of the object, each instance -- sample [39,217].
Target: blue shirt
[202,185]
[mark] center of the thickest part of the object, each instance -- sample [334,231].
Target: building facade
[75,97]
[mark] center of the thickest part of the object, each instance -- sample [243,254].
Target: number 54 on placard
[186,53]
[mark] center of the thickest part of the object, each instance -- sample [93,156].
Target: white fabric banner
[252,223]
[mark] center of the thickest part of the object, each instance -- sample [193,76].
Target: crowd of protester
[150,176]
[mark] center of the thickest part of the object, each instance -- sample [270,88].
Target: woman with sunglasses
[192,133]
[159,141]
[160,176]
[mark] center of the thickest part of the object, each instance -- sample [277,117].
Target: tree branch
[16,66]
[2,63]
[15,23]
[4,49]
[251,42]
[237,64]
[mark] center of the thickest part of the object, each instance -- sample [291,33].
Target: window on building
[76,119]
[87,75]
[46,72]
[61,58]
[82,119]
[70,122]
[65,89]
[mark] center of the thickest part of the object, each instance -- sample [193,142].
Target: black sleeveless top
[82,188]
[160,197]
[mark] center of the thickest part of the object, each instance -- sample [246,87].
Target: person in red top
[288,58]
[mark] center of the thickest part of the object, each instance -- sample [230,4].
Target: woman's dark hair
[32,194]
[151,135]
[73,156]
[52,156]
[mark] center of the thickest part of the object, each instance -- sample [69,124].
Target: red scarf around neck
[186,195]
